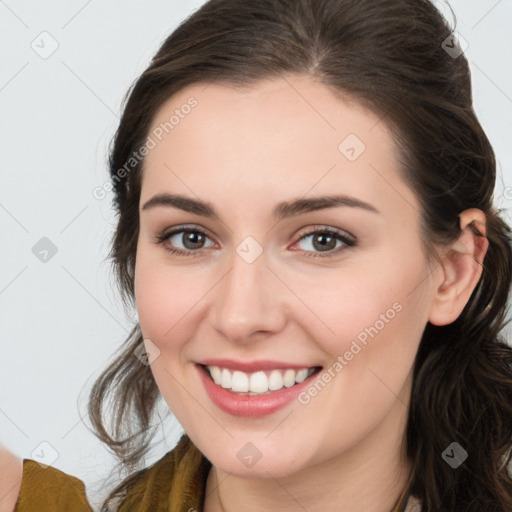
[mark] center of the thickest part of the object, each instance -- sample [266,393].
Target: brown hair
[389,56]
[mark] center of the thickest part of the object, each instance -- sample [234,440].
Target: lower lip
[251,406]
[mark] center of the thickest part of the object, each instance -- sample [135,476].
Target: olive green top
[175,483]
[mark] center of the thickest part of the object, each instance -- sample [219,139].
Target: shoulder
[11,469]
[175,480]
[44,488]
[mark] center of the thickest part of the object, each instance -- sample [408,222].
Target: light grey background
[60,321]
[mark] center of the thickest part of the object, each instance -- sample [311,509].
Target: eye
[192,240]
[325,240]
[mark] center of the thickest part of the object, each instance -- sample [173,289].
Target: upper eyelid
[180,229]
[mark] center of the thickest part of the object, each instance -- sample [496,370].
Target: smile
[260,382]
[254,388]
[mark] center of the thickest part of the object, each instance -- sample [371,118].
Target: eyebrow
[283,210]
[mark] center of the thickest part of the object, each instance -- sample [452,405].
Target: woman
[306,228]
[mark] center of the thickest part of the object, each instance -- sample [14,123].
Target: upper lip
[253,366]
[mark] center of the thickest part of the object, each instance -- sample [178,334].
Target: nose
[249,302]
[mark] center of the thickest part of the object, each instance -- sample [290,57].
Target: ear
[462,266]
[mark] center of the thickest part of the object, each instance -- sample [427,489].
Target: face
[260,288]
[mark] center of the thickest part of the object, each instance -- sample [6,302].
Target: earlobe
[462,264]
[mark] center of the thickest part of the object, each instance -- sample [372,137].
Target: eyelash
[349,242]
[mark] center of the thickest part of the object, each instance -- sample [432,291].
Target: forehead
[286,135]
[300,105]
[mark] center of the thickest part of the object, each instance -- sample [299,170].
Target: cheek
[162,299]
[377,317]
[368,308]
[165,304]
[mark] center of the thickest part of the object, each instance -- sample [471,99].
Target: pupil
[324,245]
[194,238]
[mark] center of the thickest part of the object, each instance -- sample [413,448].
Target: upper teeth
[258,382]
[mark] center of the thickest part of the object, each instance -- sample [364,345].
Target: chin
[258,460]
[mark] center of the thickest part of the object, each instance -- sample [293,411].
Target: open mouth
[260,382]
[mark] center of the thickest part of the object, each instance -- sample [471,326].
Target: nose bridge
[247,298]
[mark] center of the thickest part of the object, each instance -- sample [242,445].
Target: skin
[244,152]
[11,469]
